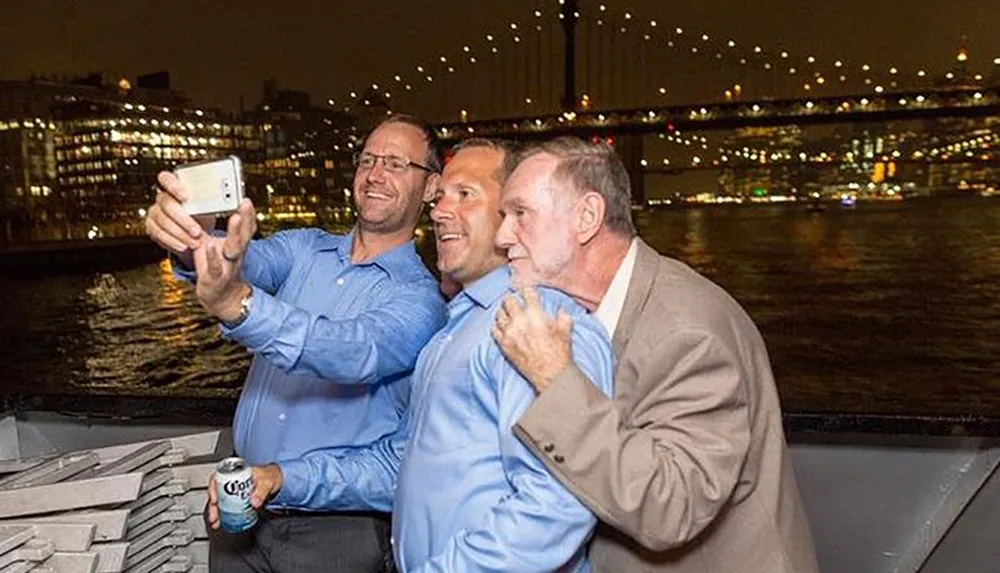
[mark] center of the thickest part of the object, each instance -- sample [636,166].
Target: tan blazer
[687,467]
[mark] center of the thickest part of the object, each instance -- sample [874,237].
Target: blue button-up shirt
[334,344]
[470,497]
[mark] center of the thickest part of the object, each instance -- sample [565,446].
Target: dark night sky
[217,50]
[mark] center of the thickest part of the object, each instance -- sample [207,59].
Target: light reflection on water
[148,332]
[886,308]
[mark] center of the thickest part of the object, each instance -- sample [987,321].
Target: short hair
[508,148]
[592,167]
[433,159]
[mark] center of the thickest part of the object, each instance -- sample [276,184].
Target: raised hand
[218,261]
[538,345]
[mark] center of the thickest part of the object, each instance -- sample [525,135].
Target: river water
[886,308]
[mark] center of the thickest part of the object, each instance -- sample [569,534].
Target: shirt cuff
[259,326]
[181,270]
[294,484]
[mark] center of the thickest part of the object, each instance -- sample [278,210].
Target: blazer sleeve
[662,472]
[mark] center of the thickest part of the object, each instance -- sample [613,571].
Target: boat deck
[899,494]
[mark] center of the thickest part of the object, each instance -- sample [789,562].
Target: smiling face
[466,214]
[387,202]
[537,228]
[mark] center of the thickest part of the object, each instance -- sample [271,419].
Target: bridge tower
[570,15]
[629,147]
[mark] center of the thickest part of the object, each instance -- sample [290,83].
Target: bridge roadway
[745,164]
[962,102]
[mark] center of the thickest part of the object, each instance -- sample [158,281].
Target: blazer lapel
[639,288]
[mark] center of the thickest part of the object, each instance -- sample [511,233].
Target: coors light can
[233,486]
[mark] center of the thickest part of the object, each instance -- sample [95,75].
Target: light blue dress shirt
[334,344]
[470,497]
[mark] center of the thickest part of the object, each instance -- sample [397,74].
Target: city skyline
[776,124]
[329,51]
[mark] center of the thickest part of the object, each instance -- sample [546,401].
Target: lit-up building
[964,157]
[759,163]
[307,158]
[108,153]
[962,150]
[869,160]
[27,176]
[79,157]
[29,197]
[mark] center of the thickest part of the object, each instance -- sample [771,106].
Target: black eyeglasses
[392,163]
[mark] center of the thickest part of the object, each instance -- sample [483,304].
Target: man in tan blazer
[687,466]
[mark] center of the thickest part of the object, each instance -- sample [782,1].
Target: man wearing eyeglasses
[467,496]
[335,324]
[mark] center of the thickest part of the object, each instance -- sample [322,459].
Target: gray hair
[504,146]
[592,167]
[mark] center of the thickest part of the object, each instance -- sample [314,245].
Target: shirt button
[558,459]
[548,448]
[392,541]
[447,338]
[282,416]
[340,281]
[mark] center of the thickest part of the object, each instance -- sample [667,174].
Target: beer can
[233,486]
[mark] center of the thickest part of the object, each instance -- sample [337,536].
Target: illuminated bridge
[597,71]
[922,104]
[900,503]
[584,63]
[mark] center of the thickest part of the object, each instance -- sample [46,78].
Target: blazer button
[558,458]
[548,448]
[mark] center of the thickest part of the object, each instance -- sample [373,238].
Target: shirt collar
[487,290]
[394,262]
[610,309]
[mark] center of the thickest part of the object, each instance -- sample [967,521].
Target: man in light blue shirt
[468,496]
[335,324]
[471,497]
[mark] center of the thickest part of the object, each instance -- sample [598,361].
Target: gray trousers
[300,543]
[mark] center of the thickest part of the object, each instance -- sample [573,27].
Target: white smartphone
[214,187]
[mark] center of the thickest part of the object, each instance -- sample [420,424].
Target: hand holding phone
[189,199]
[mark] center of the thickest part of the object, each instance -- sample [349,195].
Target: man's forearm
[341,479]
